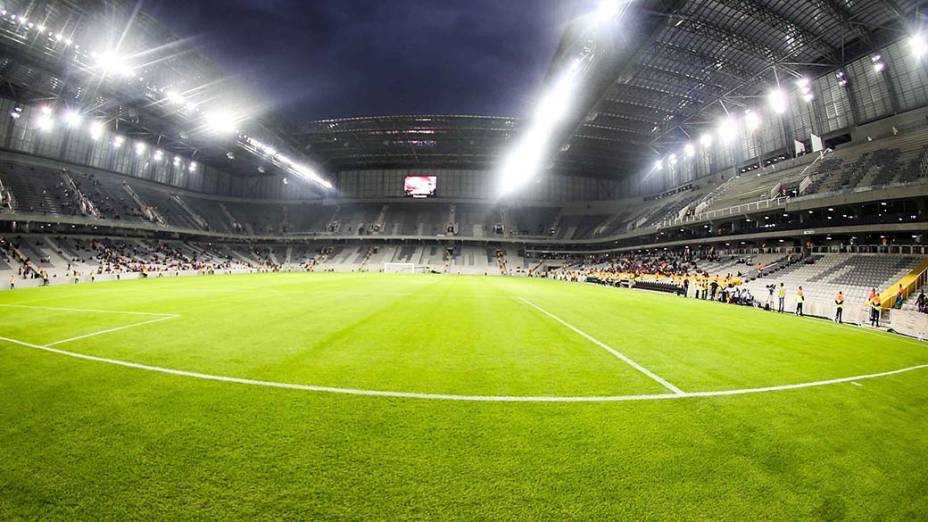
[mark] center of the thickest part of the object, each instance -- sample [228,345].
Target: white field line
[116,329]
[452,397]
[660,380]
[87,310]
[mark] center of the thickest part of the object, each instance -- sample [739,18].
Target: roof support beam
[786,26]
[710,64]
[732,40]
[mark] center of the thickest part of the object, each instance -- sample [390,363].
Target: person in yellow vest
[782,296]
[839,307]
[800,298]
[875,309]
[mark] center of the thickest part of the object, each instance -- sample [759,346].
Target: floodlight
[158,155]
[777,100]
[108,61]
[727,129]
[659,164]
[46,110]
[672,159]
[607,10]
[174,97]
[96,130]
[118,141]
[140,147]
[177,161]
[751,120]
[72,118]
[918,44]
[220,122]
[192,167]
[706,140]
[44,123]
[689,150]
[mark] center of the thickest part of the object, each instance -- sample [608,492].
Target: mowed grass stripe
[707,346]
[434,334]
[93,441]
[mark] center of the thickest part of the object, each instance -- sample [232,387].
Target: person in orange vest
[875,310]
[839,307]
[800,298]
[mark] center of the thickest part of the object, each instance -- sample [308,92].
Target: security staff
[875,310]
[839,307]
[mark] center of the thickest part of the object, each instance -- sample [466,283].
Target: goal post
[399,268]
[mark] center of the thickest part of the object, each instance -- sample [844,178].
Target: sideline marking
[604,346]
[116,329]
[88,310]
[452,397]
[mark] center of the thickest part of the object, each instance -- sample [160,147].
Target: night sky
[316,59]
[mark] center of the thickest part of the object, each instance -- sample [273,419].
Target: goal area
[399,268]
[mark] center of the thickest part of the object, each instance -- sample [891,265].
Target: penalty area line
[621,356]
[452,397]
[111,330]
[88,310]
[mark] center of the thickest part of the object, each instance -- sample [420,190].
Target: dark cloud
[337,58]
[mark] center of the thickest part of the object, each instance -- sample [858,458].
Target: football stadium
[682,279]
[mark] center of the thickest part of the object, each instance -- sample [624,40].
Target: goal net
[399,268]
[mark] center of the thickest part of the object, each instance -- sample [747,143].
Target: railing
[202,223]
[909,283]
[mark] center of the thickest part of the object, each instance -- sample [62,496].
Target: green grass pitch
[90,439]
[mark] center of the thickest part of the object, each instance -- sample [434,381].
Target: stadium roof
[699,53]
[407,141]
[672,66]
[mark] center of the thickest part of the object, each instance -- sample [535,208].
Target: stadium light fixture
[109,62]
[158,155]
[805,89]
[672,159]
[776,98]
[727,129]
[174,97]
[689,150]
[841,78]
[918,45]
[706,140]
[44,121]
[96,130]
[118,141]
[311,175]
[659,164]
[72,118]
[529,155]
[192,167]
[177,161]
[221,122]
[140,147]
[751,120]
[607,10]
[878,64]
